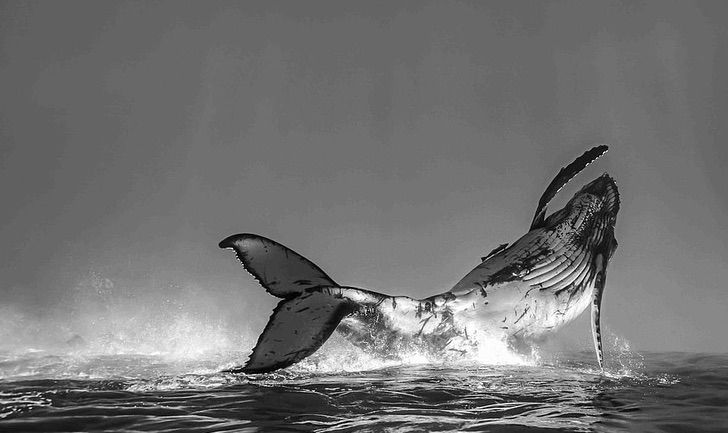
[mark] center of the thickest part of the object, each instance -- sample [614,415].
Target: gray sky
[391,143]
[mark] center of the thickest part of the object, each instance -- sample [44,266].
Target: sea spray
[99,316]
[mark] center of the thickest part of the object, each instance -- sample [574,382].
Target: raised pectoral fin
[562,178]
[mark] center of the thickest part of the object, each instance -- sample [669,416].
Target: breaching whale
[518,292]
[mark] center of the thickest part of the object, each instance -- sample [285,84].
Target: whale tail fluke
[307,315]
[295,330]
[281,271]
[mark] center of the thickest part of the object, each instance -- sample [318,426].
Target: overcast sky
[392,143]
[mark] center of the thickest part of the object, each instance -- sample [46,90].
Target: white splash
[339,355]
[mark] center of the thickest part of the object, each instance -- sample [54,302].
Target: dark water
[672,392]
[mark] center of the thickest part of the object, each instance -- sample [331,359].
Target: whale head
[550,275]
[590,216]
[586,228]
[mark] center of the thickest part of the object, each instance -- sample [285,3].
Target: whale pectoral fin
[280,270]
[295,330]
[562,178]
[596,306]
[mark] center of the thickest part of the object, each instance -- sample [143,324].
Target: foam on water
[341,388]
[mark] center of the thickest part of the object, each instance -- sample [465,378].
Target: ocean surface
[670,392]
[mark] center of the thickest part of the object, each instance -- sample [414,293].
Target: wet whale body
[518,292]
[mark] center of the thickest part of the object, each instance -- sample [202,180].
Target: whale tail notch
[308,313]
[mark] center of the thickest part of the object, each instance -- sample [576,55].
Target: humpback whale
[518,292]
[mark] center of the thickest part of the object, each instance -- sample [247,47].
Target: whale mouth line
[604,187]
